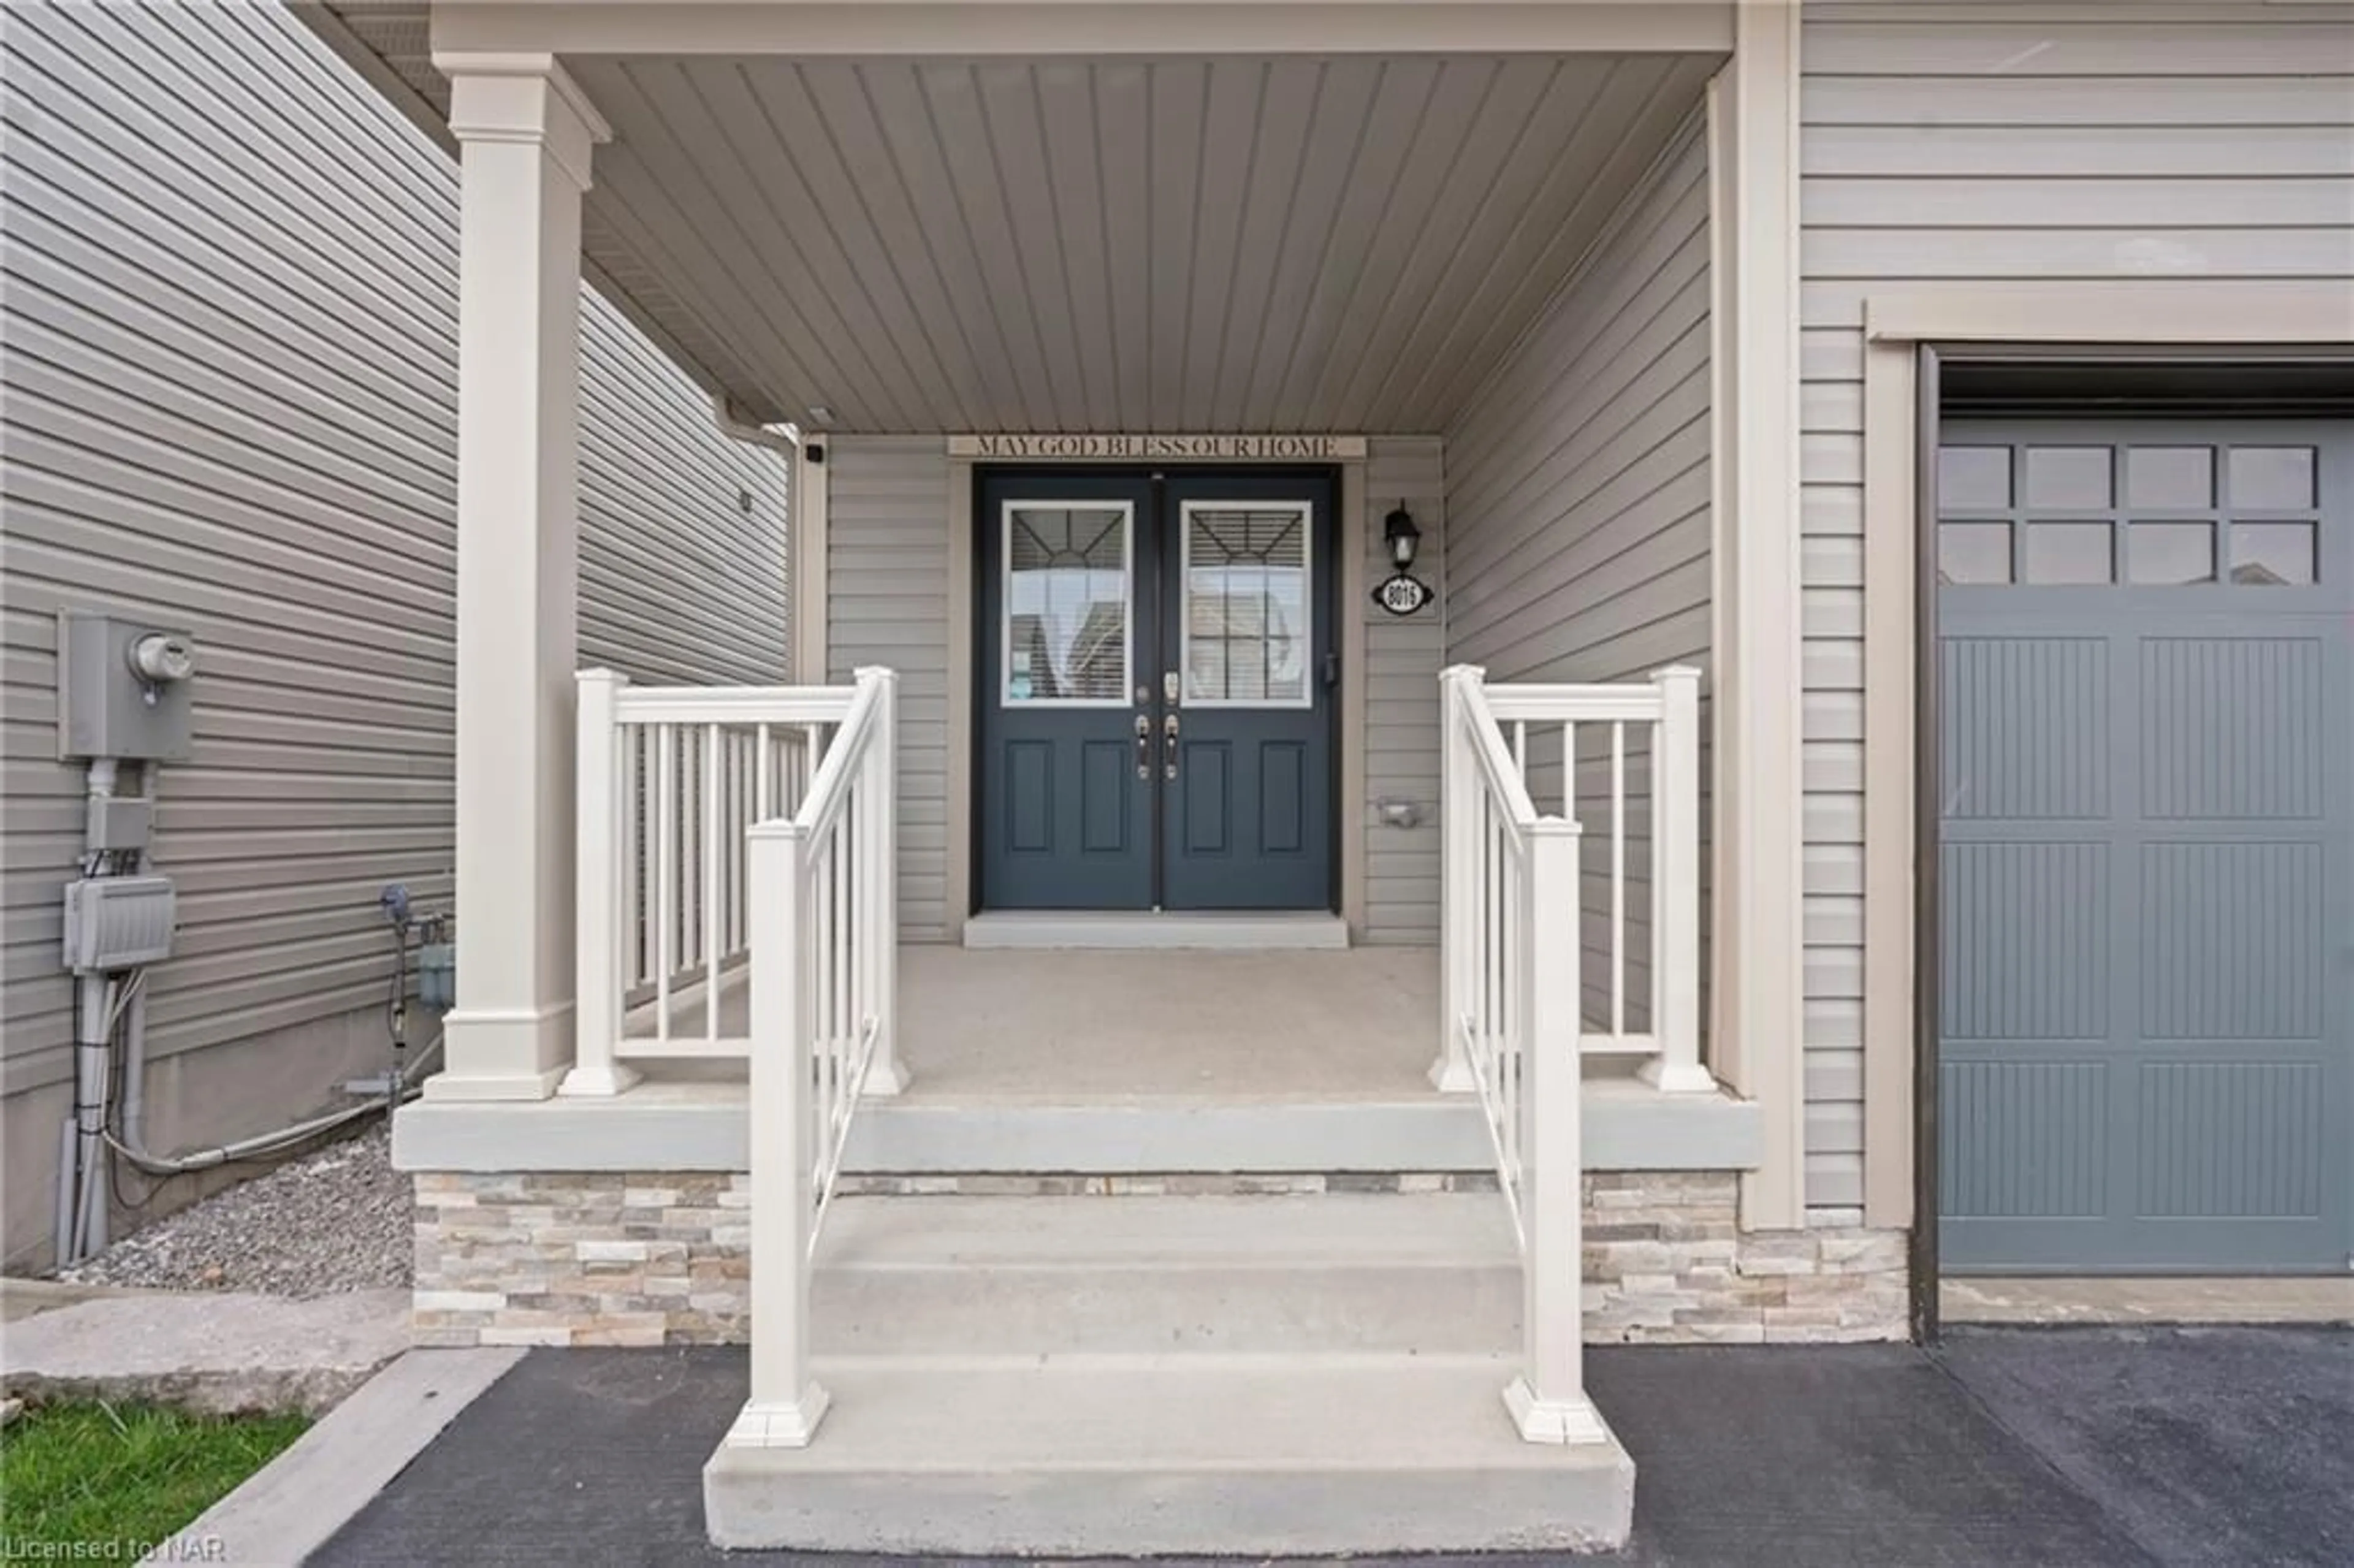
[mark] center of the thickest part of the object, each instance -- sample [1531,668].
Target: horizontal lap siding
[1577,482]
[1949,144]
[887,603]
[231,395]
[1402,658]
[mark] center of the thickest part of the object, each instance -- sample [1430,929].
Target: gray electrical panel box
[118,922]
[124,688]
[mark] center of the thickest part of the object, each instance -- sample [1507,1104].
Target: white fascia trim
[1066,28]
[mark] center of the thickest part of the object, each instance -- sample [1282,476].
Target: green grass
[127,1473]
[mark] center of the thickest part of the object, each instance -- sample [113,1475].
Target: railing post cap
[1677,673]
[874,673]
[1464,673]
[774,828]
[602,677]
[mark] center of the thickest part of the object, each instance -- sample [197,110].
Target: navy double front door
[1157,666]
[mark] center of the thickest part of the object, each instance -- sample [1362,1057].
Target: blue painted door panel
[1155,690]
[1064,811]
[1247,821]
[2145,868]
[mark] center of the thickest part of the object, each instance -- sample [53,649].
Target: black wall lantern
[1401,593]
[1400,533]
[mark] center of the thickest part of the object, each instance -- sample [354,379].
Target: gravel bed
[336,1219]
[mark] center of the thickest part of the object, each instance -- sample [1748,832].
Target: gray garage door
[2145,692]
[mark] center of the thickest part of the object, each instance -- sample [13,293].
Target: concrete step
[1430,1274]
[1198,1455]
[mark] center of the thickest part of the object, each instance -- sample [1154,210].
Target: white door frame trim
[2188,312]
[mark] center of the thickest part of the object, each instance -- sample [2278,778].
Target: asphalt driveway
[2076,1446]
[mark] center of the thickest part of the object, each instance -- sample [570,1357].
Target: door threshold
[1131,931]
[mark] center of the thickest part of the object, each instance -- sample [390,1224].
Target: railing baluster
[846,1013]
[638,810]
[1569,770]
[1619,880]
[665,871]
[712,832]
[762,763]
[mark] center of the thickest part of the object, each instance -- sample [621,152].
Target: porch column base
[1677,1078]
[1542,1420]
[790,1425]
[503,1054]
[884,1079]
[601,1079]
[1451,1075]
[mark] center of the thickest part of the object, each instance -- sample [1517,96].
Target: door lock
[1143,747]
[1168,747]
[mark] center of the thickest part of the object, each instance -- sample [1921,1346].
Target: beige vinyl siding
[1402,658]
[231,396]
[887,603]
[1946,145]
[1577,484]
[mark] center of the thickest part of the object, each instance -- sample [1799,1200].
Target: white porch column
[525,133]
[1756,1042]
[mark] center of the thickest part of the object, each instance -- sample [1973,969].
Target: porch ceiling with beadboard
[1279,243]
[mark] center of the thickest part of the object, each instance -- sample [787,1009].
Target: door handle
[1143,747]
[1168,747]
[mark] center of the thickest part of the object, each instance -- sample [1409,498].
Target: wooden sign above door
[1104,448]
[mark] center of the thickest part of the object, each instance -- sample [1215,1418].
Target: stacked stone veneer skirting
[614,1258]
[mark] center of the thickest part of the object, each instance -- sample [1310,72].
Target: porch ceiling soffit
[1326,242]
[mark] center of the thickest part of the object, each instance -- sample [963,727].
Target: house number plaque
[1402,594]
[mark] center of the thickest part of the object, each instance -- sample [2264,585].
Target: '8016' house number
[1402,594]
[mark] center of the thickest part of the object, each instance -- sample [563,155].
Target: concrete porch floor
[1110,1062]
[1357,1024]
[1017,1027]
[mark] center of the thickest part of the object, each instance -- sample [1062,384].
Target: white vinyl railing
[671,780]
[823,940]
[1622,762]
[1519,1015]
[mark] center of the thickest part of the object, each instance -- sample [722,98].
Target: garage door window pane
[1971,553]
[1974,479]
[2166,554]
[2068,552]
[2272,478]
[2175,478]
[2271,554]
[2073,478]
